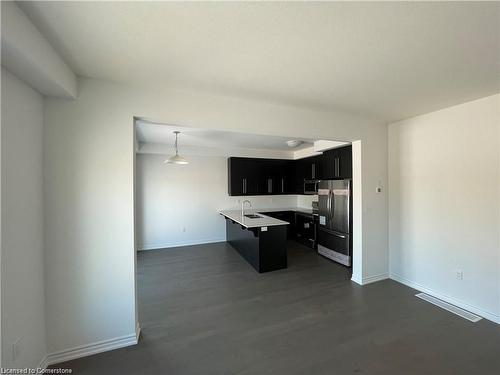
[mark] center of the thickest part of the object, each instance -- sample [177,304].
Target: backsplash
[274,201]
[259,201]
[306,200]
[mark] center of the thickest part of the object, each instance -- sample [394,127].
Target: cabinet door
[279,177]
[243,176]
[288,178]
[337,163]
[283,177]
[300,176]
[268,178]
[345,162]
[317,167]
[252,176]
[309,169]
[236,184]
[306,168]
[329,164]
[312,167]
[305,230]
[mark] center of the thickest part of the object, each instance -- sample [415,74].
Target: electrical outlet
[460,275]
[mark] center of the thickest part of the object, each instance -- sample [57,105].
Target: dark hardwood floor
[204,310]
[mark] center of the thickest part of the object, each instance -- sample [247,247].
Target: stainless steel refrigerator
[334,230]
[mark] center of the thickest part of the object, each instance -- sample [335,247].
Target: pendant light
[176,159]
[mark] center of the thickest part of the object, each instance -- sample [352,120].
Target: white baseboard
[375,278]
[357,279]
[90,349]
[369,279]
[43,363]
[167,245]
[137,331]
[464,305]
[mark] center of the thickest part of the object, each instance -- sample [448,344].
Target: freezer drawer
[335,246]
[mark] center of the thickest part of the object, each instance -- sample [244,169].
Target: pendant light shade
[176,159]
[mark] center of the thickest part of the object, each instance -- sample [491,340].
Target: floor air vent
[449,307]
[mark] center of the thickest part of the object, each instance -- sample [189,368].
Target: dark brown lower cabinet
[288,216]
[265,249]
[302,227]
[306,229]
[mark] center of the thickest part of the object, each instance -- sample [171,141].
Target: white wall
[89,192]
[89,154]
[178,204]
[444,206]
[23,291]
[29,56]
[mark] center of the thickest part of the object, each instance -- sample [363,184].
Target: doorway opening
[314,184]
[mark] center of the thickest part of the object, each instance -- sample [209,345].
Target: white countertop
[262,221]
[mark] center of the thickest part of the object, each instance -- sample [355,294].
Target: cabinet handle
[337,167]
[244,186]
[282,185]
[313,171]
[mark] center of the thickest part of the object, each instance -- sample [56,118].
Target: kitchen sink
[253,216]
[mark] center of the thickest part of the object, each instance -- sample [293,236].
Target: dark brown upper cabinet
[337,163]
[256,176]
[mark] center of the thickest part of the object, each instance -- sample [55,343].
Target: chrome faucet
[243,206]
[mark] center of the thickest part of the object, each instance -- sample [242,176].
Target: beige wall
[444,204]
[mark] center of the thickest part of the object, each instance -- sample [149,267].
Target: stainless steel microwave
[311,187]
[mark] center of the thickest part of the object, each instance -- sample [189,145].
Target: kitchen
[325,226]
[277,192]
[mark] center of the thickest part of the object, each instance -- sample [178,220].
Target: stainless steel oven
[311,187]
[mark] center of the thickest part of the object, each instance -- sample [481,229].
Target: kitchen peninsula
[258,238]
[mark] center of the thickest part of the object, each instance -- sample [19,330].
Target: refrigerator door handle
[331,206]
[328,209]
[335,233]
[349,207]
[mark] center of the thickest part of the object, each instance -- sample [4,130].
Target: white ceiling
[391,60]
[148,132]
